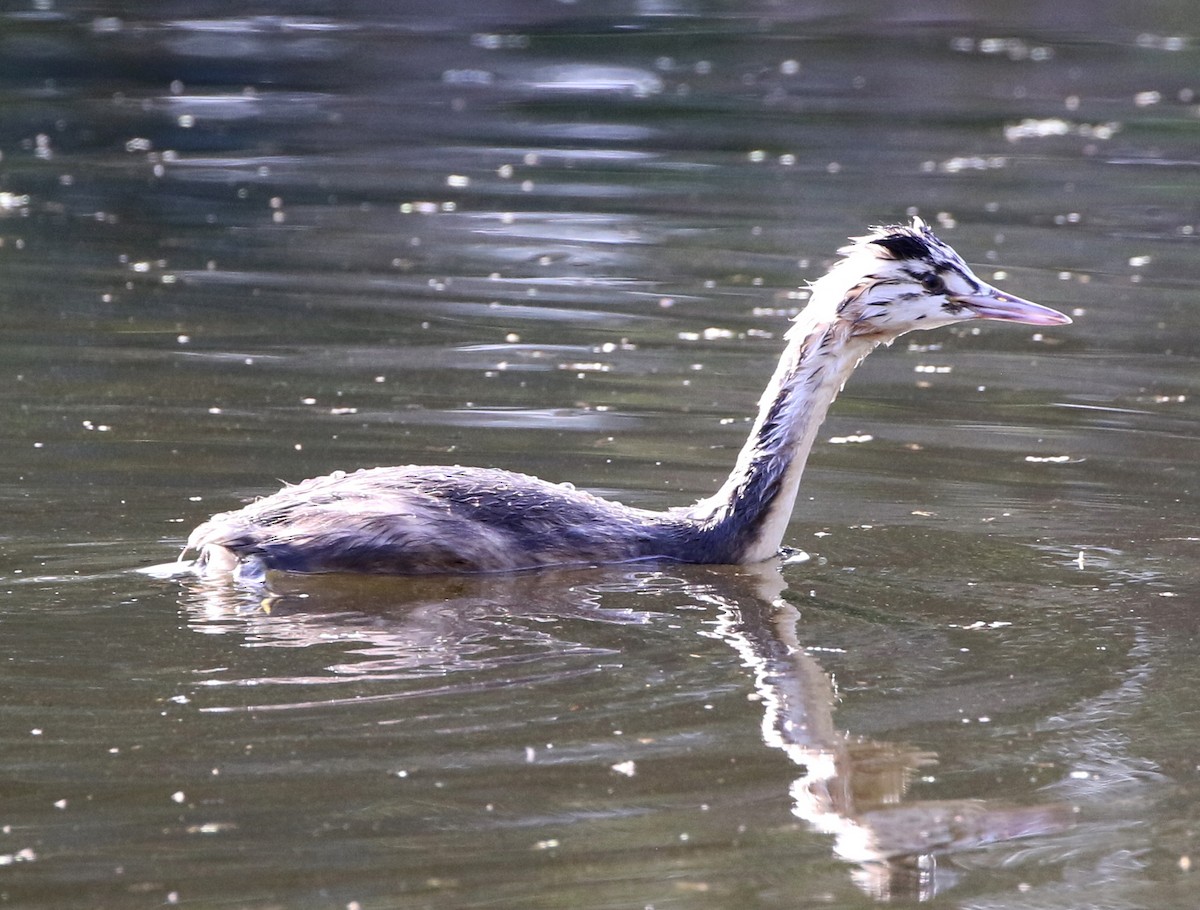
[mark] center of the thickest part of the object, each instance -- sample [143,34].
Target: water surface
[239,249]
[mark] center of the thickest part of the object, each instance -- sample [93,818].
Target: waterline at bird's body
[419,519]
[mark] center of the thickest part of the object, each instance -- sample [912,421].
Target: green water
[237,250]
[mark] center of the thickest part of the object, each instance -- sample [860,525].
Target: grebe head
[902,277]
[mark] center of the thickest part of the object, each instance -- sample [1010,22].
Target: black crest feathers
[905,242]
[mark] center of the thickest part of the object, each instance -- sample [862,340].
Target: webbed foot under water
[424,520]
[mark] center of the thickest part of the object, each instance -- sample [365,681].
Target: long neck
[750,512]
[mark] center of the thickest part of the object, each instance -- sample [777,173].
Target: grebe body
[424,519]
[421,519]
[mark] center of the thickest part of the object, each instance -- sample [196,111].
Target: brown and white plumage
[416,519]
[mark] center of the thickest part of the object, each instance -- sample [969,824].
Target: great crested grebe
[423,520]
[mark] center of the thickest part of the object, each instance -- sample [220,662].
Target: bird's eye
[933,283]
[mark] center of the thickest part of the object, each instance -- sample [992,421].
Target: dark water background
[248,243]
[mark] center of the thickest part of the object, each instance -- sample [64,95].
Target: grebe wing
[420,519]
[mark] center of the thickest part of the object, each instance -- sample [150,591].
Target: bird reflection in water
[850,787]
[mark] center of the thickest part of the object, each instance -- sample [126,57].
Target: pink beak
[991,303]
